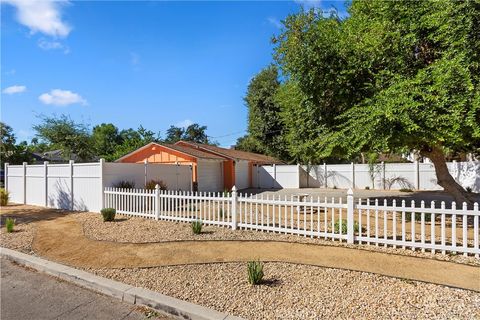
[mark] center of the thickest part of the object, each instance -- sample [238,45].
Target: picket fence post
[234,208]
[157,202]
[24,164]
[5,176]
[350,221]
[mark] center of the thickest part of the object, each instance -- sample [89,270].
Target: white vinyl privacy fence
[416,175]
[79,186]
[417,226]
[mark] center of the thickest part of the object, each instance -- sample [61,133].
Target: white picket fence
[433,228]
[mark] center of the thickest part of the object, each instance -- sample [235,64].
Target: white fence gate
[433,227]
[79,186]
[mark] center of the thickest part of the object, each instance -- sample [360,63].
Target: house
[213,168]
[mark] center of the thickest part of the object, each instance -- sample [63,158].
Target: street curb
[174,307]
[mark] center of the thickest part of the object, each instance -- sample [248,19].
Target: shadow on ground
[28,214]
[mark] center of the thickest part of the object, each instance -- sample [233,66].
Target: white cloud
[184,124]
[275,22]
[59,97]
[307,4]
[52,45]
[43,16]
[14,89]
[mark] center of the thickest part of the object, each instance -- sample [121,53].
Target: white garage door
[210,175]
[241,175]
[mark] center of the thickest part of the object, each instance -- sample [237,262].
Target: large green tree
[10,151]
[265,127]
[106,139]
[395,76]
[194,133]
[63,133]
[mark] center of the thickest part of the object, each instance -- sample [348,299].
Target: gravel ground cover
[139,230]
[21,239]
[303,292]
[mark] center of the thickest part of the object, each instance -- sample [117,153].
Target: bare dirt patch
[293,291]
[139,230]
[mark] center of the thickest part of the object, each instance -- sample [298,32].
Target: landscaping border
[173,307]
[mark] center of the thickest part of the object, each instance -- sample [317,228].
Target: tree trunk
[444,178]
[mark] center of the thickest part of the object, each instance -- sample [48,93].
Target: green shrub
[418,216]
[226,193]
[9,224]
[255,272]
[197,226]
[108,214]
[356,226]
[124,184]
[405,190]
[152,183]
[220,213]
[4,197]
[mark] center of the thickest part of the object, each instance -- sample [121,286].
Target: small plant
[405,190]
[226,193]
[334,187]
[4,197]
[124,184]
[197,226]
[255,272]
[367,188]
[469,189]
[152,183]
[356,226]
[108,214]
[10,224]
[418,216]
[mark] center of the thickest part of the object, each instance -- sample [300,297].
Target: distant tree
[193,132]
[265,127]
[9,151]
[395,76]
[174,134]
[196,133]
[65,134]
[248,143]
[106,139]
[131,139]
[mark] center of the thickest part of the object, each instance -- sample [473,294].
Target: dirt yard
[138,230]
[290,291]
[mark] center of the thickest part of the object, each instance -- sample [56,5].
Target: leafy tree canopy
[394,76]
[265,127]
[10,151]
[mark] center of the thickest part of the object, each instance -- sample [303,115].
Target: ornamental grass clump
[108,214]
[356,226]
[255,272]
[197,227]
[4,197]
[10,224]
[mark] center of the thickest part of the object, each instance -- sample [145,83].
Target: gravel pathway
[139,230]
[303,292]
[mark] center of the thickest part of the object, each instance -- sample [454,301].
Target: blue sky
[137,63]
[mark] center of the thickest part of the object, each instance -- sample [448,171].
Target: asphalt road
[27,294]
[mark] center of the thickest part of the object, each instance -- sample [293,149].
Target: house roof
[232,153]
[199,154]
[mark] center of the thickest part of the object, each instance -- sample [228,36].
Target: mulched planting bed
[139,230]
[303,292]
